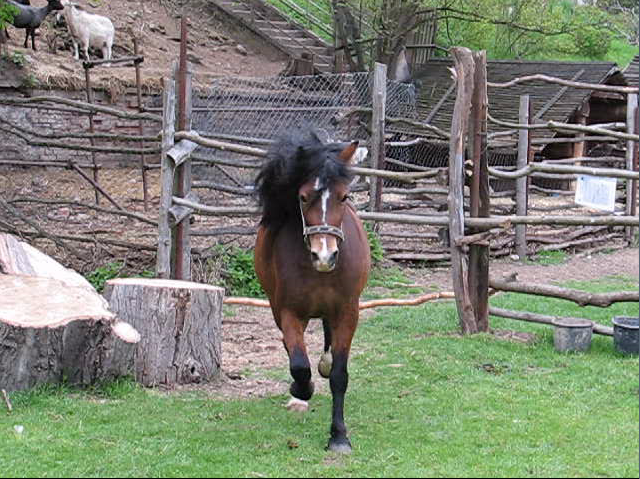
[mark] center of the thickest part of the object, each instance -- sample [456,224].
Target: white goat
[88,29]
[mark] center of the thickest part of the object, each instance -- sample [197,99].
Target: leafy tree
[505,28]
[7,12]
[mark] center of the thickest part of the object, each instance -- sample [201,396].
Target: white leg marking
[298,405]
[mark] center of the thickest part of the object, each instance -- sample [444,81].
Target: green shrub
[238,274]
[377,252]
[114,269]
[101,275]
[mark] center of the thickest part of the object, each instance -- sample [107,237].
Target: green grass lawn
[422,401]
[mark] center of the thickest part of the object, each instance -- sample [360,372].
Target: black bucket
[625,334]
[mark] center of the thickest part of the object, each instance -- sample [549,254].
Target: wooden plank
[163,260]
[464,67]
[521,183]
[379,97]
[480,195]
[632,103]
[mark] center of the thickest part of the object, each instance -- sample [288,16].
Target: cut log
[180,323]
[53,324]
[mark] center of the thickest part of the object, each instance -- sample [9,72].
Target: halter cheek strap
[319,229]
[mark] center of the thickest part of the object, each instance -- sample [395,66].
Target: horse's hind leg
[326,360]
[302,387]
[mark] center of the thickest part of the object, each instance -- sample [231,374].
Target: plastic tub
[572,334]
[625,334]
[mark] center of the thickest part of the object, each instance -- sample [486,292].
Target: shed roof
[550,101]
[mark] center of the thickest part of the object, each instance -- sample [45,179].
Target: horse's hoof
[297,405]
[325,363]
[343,447]
[303,393]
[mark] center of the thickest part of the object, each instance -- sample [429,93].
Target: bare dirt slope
[215,46]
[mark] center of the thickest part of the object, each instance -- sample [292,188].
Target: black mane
[291,162]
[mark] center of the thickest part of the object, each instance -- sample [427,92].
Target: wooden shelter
[436,98]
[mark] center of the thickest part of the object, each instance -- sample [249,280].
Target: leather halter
[318,229]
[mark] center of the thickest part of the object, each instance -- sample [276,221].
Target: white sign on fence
[597,192]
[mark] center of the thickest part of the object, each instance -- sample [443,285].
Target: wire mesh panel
[257,111]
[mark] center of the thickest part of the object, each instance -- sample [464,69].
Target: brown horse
[312,258]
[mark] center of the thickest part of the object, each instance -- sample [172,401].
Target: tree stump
[180,323]
[53,324]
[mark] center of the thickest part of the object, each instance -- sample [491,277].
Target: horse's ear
[346,154]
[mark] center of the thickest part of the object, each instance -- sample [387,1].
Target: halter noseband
[319,229]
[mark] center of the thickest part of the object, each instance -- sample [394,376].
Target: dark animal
[30,18]
[312,258]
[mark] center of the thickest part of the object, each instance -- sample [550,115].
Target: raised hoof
[297,405]
[343,447]
[325,364]
[303,394]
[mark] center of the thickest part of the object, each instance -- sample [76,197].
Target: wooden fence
[90,110]
[469,235]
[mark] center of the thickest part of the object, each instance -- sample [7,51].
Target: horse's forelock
[291,162]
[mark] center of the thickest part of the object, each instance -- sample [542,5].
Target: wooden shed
[549,101]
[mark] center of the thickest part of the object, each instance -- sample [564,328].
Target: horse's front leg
[293,337]
[342,332]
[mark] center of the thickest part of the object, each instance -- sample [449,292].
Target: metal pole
[143,166]
[183,174]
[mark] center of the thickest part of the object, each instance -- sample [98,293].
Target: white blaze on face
[324,247]
[325,198]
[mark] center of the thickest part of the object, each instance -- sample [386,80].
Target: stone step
[318,51]
[275,26]
[306,41]
[281,24]
[284,32]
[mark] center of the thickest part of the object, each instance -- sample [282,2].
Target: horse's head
[323,202]
[306,181]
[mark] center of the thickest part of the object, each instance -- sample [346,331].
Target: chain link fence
[255,111]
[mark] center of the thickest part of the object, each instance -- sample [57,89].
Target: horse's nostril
[314,256]
[334,257]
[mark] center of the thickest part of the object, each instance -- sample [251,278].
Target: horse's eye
[303,198]
[345,198]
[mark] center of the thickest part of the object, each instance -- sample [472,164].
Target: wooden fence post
[521,183]
[464,88]
[379,99]
[143,165]
[480,197]
[632,104]
[89,91]
[163,260]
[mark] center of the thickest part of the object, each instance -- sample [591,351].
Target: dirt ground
[251,343]
[215,46]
